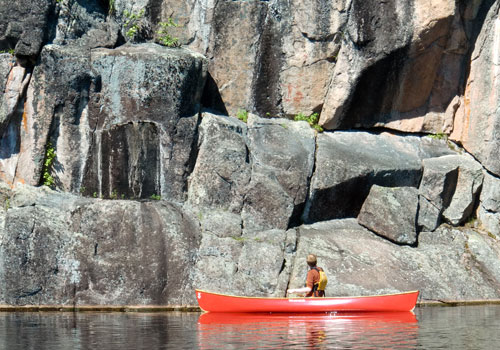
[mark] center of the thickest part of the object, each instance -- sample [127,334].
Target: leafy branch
[163,33]
[50,155]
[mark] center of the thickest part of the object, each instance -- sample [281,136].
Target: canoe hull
[213,302]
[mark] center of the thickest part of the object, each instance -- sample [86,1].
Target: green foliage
[242,115]
[114,194]
[312,119]
[439,136]
[132,23]
[156,197]
[7,203]
[11,51]
[111,9]
[164,37]
[94,195]
[50,155]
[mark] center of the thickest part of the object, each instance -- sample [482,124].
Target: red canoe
[213,302]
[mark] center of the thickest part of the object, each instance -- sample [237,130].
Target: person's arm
[299,290]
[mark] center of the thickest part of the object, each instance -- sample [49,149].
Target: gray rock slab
[244,265]
[260,170]
[25,26]
[489,208]
[65,249]
[56,98]
[222,170]
[349,163]
[156,90]
[469,181]
[391,213]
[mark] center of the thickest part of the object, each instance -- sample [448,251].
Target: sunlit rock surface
[391,213]
[158,188]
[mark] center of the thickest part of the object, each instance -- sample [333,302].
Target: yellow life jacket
[323,280]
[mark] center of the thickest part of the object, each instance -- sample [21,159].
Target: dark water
[471,327]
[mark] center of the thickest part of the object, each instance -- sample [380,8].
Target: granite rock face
[476,123]
[54,104]
[260,170]
[450,186]
[391,213]
[144,115]
[82,255]
[25,26]
[242,202]
[449,264]
[349,163]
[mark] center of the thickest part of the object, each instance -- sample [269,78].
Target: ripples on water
[472,327]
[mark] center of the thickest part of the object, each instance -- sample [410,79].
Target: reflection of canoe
[241,318]
[214,302]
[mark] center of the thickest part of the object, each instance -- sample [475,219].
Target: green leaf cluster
[312,119]
[163,35]
[242,115]
[132,22]
[50,155]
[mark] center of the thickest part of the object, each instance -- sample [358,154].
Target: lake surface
[464,327]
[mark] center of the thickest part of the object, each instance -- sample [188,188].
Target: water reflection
[67,330]
[457,328]
[396,330]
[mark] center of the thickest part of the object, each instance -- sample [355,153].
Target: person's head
[311,260]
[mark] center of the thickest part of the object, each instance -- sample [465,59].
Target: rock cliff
[150,147]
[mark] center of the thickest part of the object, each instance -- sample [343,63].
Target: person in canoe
[315,281]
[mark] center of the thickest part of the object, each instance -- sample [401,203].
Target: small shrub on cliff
[132,24]
[312,119]
[155,197]
[439,136]
[163,35]
[242,115]
[50,155]
[111,8]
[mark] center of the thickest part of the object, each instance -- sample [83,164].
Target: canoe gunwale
[323,298]
[216,302]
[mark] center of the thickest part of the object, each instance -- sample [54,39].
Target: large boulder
[450,186]
[465,196]
[391,213]
[222,169]
[282,160]
[258,264]
[144,116]
[63,249]
[260,170]
[489,208]
[24,25]
[349,163]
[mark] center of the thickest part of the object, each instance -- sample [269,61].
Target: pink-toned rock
[408,86]
[476,124]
